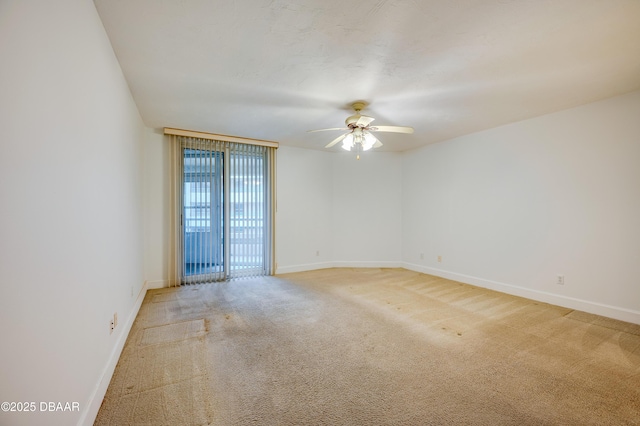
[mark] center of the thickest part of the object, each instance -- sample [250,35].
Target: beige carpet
[369,347]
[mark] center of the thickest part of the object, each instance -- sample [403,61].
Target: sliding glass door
[203,214]
[246,212]
[226,211]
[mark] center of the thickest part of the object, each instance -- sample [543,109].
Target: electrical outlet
[421,256]
[560,280]
[439,259]
[111,326]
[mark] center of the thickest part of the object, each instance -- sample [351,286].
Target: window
[223,203]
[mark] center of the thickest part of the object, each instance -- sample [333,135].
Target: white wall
[513,207]
[304,209]
[71,190]
[157,156]
[367,209]
[347,210]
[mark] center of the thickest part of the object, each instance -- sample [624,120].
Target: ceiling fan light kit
[359,137]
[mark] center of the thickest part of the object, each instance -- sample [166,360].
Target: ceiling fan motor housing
[352,121]
[357,107]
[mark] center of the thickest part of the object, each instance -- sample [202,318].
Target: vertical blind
[223,210]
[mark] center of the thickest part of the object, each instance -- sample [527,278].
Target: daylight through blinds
[224,193]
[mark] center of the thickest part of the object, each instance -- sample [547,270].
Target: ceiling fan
[359,135]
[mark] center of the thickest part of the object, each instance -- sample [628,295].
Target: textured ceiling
[273,69]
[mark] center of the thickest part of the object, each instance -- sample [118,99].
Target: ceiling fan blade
[394,129]
[336,140]
[378,144]
[364,121]
[322,130]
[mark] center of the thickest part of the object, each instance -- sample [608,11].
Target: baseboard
[338,264]
[157,284]
[95,401]
[367,264]
[615,312]
[303,267]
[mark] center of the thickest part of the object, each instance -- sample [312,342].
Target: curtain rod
[224,138]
